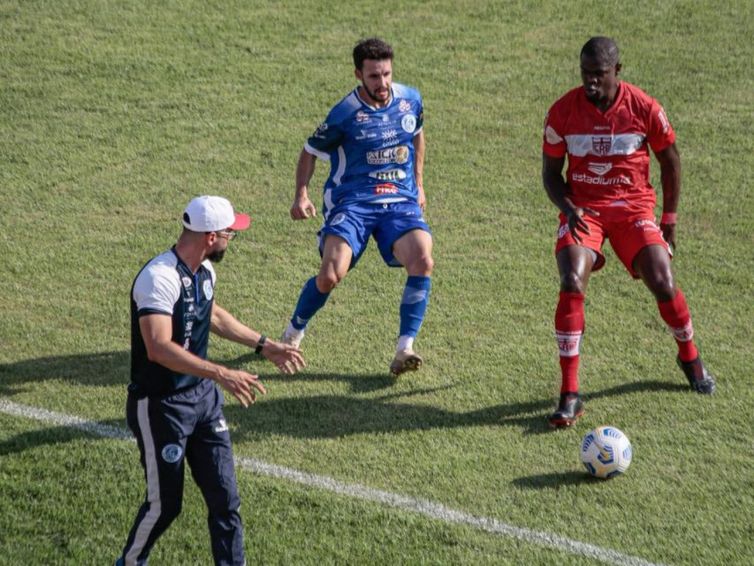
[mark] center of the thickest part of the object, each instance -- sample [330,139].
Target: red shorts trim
[628,231]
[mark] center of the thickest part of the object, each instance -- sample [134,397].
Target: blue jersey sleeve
[325,139]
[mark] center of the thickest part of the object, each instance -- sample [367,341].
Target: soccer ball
[605,452]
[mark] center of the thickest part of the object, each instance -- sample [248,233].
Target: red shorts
[628,231]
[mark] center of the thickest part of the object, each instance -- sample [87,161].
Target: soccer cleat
[405,360]
[570,408]
[292,336]
[700,379]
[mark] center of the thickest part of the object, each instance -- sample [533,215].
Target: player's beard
[216,256]
[373,95]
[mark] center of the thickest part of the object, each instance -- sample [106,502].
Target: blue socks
[414,304]
[309,302]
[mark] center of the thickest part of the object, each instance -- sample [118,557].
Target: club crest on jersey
[208,291]
[601,145]
[171,453]
[404,106]
[408,123]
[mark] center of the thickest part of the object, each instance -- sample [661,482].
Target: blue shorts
[386,223]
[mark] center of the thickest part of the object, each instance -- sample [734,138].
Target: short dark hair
[603,49]
[371,48]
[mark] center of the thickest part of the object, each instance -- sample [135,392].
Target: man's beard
[216,256]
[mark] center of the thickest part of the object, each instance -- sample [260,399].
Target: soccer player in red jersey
[606,128]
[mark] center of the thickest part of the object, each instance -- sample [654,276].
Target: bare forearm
[419,150]
[227,326]
[304,172]
[670,178]
[175,358]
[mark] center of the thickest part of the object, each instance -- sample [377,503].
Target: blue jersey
[370,150]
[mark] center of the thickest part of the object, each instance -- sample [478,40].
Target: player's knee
[421,265]
[327,281]
[662,286]
[571,283]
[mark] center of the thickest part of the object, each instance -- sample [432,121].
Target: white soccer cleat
[292,336]
[405,360]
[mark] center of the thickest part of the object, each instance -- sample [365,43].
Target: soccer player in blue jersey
[374,141]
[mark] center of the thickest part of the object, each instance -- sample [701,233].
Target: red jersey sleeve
[660,133]
[553,142]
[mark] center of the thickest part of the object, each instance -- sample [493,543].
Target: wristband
[260,344]
[668,218]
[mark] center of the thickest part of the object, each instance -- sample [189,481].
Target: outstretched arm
[157,330]
[287,358]
[670,177]
[557,190]
[303,207]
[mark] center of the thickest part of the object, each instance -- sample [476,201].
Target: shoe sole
[411,363]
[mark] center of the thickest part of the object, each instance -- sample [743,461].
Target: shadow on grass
[57,435]
[333,416]
[100,369]
[555,480]
[318,416]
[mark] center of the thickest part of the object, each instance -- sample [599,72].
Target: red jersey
[608,155]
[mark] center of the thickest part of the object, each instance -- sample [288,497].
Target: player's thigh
[344,236]
[592,241]
[413,247]
[628,238]
[337,255]
[403,236]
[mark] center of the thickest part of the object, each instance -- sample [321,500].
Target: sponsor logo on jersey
[601,145]
[385,189]
[320,131]
[361,117]
[171,453]
[398,154]
[584,178]
[408,123]
[208,291]
[186,282]
[599,168]
[386,118]
[365,135]
[390,136]
[389,175]
[562,231]
[221,426]
[337,219]
[404,106]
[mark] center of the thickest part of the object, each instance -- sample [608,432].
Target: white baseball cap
[212,214]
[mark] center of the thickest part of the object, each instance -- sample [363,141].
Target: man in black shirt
[174,409]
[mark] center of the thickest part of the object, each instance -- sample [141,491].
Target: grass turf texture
[113,115]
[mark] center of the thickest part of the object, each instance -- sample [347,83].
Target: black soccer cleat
[570,408]
[700,379]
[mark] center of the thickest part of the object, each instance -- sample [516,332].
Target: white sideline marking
[422,506]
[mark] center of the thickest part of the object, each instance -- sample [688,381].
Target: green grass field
[114,114]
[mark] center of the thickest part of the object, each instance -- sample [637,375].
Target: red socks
[569,328]
[675,313]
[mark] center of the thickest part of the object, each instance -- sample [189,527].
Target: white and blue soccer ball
[606,452]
